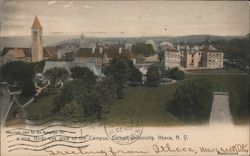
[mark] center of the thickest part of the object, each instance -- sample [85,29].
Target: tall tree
[71,91]
[107,90]
[143,49]
[153,76]
[134,75]
[161,54]
[21,74]
[192,101]
[17,71]
[84,74]
[119,70]
[91,103]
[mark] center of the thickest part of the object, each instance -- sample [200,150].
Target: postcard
[124,78]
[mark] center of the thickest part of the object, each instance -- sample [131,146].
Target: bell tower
[37,42]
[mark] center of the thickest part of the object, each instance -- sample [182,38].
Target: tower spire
[36,24]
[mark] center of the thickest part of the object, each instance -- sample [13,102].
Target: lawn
[150,102]
[42,108]
[216,71]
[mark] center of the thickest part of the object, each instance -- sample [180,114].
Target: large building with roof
[101,55]
[197,57]
[68,65]
[34,53]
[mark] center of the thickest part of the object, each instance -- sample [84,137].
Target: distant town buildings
[84,42]
[34,54]
[101,55]
[197,57]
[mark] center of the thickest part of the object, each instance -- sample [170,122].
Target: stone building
[197,57]
[172,58]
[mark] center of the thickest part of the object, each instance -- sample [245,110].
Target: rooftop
[36,24]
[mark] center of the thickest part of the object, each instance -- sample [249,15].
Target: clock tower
[37,42]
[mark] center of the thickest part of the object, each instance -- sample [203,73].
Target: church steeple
[37,42]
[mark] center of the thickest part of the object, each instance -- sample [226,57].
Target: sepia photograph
[124,78]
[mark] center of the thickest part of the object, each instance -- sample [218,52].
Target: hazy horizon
[126,19]
[171,36]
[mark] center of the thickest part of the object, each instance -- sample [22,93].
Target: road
[220,112]
[38,91]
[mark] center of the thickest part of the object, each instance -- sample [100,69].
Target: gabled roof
[87,52]
[172,50]
[36,24]
[18,52]
[110,53]
[26,52]
[69,65]
[47,52]
[208,49]
[5,51]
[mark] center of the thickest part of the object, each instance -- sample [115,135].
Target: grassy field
[150,103]
[216,71]
[41,108]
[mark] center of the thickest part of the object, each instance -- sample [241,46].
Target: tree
[17,71]
[84,74]
[192,101]
[21,74]
[28,89]
[71,91]
[153,76]
[134,75]
[91,104]
[72,110]
[38,66]
[107,90]
[57,75]
[161,54]
[176,74]
[143,49]
[163,71]
[118,69]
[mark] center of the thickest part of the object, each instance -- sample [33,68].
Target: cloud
[51,2]
[68,5]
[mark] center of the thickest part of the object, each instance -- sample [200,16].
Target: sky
[126,19]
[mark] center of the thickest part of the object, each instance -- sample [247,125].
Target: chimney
[120,50]
[178,47]
[101,50]
[93,49]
